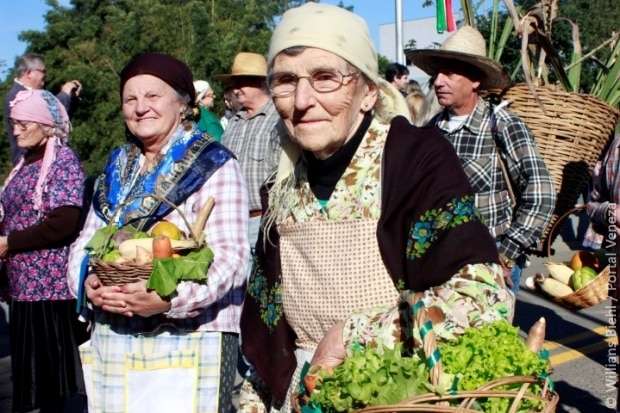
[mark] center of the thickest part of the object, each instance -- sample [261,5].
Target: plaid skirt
[167,371]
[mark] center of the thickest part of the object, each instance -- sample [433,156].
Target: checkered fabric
[517,229]
[216,305]
[160,372]
[255,141]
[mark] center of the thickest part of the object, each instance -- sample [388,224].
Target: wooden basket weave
[570,134]
[124,273]
[435,403]
[594,292]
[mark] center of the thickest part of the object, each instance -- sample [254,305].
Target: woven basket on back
[594,292]
[570,134]
[466,399]
[125,273]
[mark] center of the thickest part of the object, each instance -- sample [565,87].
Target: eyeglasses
[323,81]
[20,124]
[40,70]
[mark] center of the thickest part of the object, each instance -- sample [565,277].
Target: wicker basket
[125,273]
[570,134]
[118,274]
[594,292]
[435,403]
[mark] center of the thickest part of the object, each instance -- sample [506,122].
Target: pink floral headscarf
[42,107]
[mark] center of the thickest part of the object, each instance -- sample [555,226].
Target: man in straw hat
[514,192]
[252,134]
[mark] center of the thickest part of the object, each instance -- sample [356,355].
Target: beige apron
[329,270]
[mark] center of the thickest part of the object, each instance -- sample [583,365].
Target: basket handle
[577,208]
[422,322]
[196,238]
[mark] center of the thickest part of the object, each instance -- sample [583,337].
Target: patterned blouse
[41,274]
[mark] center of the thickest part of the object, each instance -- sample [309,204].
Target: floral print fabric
[40,274]
[357,194]
[473,297]
[269,299]
[433,222]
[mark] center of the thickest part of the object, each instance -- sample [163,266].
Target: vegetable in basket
[372,376]
[582,277]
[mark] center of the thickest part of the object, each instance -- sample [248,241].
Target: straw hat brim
[432,60]
[228,77]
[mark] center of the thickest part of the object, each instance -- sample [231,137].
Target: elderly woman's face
[151,108]
[29,135]
[322,122]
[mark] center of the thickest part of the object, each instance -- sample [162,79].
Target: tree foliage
[93,39]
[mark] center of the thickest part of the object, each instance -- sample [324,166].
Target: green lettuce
[168,272]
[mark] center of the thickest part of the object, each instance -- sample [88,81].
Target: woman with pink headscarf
[41,203]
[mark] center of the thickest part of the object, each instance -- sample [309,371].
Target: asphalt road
[582,345]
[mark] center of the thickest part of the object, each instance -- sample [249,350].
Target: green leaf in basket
[100,243]
[168,272]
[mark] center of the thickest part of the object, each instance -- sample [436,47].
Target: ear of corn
[555,288]
[560,272]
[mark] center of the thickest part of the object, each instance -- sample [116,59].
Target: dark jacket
[422,177]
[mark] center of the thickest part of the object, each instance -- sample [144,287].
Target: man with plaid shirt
[253,134]
[514,192]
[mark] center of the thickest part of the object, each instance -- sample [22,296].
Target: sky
[19,15]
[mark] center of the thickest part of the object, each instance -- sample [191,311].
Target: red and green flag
[445,16]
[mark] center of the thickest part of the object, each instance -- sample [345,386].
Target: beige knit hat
[345,34]
[466,46]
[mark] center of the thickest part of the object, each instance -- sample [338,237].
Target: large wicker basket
[570,134]
[125,273]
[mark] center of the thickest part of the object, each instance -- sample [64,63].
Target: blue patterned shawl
[121,193]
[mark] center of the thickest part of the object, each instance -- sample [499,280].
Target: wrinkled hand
[95,290]
[330,352]
[133,299]
[72,87]
[4,246]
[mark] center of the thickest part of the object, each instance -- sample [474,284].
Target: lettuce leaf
[101,242]
[169,272]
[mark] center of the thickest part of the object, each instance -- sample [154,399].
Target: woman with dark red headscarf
[165,354]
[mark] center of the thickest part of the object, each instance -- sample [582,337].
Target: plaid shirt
[216,304]
[255,141]
[517,229]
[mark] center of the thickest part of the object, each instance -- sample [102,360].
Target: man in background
[398,75]
[30,74]
[253,133]
[514,193]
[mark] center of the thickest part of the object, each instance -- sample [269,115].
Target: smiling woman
[182,348]
[152,111]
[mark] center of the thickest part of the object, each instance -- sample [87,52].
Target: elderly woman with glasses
[363,207]
[42,202]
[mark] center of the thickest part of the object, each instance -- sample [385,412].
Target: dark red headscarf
[172,71]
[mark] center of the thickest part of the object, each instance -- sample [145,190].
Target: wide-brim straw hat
[246,65]
[466,46]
